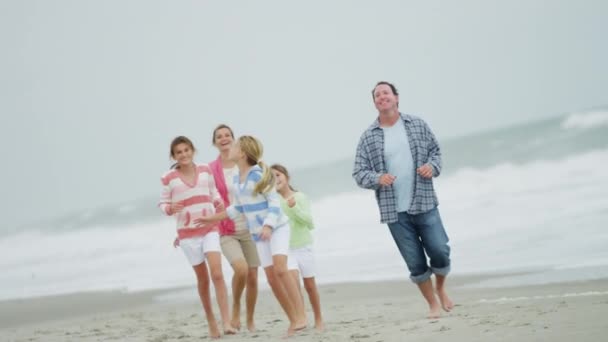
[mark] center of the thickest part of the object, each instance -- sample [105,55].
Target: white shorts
[278,245]
[304,259]
[196,247]
[292,265]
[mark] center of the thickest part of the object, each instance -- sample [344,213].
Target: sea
[525,204]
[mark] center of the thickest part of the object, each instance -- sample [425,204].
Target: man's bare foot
[446,302]
[251,326]
[229,330]
[319,326]
[435,311]
[214,331]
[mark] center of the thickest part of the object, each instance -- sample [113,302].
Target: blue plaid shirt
[370,165]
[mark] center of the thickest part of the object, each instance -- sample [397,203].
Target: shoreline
[20,311]
[362,311]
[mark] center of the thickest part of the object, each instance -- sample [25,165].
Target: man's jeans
[417,234]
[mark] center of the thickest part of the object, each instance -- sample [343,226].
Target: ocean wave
[543,214]
[551,296]
[586,120]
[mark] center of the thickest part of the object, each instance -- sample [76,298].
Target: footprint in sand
[359,336]
[413,328]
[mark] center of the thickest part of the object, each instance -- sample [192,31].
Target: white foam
[537,215]
[545,215]
[551,296]
[586,120]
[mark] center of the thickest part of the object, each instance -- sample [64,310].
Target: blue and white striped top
[259,210]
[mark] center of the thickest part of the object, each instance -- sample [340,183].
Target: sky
[92,92]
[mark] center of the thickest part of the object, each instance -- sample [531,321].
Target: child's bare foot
[214,331]
[251,326]
[319,326]
[293,328]
[435,311]
[229,330]
[300,326]
[236,324]
[236,317]
[290,331]
[446,302]
[301,322]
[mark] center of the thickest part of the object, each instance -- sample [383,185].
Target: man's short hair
[393,88]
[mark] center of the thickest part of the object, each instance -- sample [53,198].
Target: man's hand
[387,179]
[425,171]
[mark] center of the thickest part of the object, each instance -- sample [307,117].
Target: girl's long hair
[179,140]
[254,150]
[282,169]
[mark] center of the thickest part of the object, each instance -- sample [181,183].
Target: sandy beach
[378,311]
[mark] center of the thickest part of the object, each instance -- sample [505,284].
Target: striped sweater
[259,210]
[199,199]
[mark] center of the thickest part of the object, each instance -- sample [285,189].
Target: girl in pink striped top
[189,193]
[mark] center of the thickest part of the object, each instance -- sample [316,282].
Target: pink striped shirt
[199,199]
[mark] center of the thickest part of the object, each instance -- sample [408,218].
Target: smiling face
[223,139]
[281,181]
[182,153]
[385,99]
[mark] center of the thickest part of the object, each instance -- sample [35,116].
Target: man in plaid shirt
[397,157]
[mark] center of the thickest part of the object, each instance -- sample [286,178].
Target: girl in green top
[297,207]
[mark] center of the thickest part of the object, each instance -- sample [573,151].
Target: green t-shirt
[300,220]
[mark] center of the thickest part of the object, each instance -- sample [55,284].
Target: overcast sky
[92,92]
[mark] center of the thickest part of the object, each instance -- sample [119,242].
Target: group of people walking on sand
[240,207]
